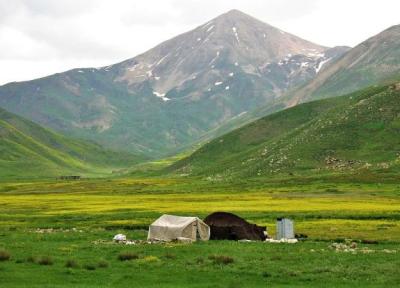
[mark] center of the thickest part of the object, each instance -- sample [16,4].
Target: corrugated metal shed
[284,228]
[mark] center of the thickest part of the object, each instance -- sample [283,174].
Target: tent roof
[174,221]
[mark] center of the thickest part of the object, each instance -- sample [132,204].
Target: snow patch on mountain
[236,34]
[161,95]
[320,64]
[215,58]
[162,59]
[133,68]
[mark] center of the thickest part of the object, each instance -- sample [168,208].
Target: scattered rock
[120,238]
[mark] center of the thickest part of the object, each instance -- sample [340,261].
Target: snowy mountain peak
[230,43]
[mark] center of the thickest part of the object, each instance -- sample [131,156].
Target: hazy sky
[41,37]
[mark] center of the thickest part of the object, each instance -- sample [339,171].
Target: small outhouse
[284,229]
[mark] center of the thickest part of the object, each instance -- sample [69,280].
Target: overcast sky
[41,37]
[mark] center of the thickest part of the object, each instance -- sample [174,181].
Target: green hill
[357,131]
[28,150]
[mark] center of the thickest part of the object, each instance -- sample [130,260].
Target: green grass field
[55,222]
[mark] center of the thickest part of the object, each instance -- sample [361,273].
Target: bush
[71,263]
[102,264]
[221,259]
[90,266]
[4,255]
[45,260]
[266,274]
[20,261]
[126,256]
[31,259]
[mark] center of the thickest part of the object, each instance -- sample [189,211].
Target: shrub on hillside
[126,256]
[4,255]
[102,263]
[71,263]
[89,266]
[31,259]
[45,260]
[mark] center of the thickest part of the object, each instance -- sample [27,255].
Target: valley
[234,115]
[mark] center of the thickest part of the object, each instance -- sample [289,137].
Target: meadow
[58,233]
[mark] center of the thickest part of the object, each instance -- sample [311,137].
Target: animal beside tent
[170,227]
[228,226]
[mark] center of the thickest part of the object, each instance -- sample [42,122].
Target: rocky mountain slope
[356,132]
[375,60]
[176,93]
[28,150]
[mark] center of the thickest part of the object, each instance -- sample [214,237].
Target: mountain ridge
[155,103]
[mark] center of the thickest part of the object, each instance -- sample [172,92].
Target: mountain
[28,150]
[371,62]
[178,93]
[357,131]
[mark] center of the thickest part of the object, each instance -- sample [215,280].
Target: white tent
[170,227]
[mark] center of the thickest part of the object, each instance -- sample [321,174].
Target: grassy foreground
[48,225]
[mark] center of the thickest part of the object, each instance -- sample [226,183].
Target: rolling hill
[173,95]
[357,131]
[28,150]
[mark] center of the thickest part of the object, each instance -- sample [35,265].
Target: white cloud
[40,37]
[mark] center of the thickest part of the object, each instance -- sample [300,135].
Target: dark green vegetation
[28,150]
[356,133]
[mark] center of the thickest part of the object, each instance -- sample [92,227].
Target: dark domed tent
[228,226]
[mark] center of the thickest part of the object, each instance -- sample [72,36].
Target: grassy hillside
[27,150]
[349,133]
